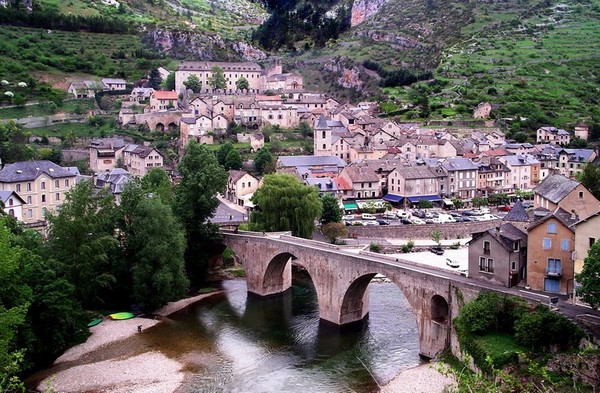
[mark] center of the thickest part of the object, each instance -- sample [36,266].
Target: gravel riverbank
[152,371]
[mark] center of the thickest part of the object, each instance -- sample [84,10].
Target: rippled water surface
[242,343]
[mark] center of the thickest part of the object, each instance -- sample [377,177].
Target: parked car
[527,205]
[468,218]
[389,214]
[455,214]
[370,222]
[445,218]
[367,216]
[383,222]
[419,214]
[348,217]
[402,214]
[504,208]
[437,250]
[405,221]
[467,213]
[452,263]
[417,221]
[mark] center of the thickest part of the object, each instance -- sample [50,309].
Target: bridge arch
[277,275]
[160,127]
[353,303]
[439,309]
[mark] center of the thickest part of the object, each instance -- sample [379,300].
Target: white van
[389,214]
[443,217]
[367,216]
[402,214]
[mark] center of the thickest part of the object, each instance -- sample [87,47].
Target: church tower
[322,138]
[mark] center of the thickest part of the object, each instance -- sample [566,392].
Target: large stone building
[41,184]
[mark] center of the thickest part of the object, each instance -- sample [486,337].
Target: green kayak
[121,315]
[94,322]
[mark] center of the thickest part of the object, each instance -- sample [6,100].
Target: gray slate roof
[30,170]
[4,195]
[555,187]
[517,213]
[298,161]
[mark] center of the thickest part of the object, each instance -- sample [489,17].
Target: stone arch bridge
[341,278]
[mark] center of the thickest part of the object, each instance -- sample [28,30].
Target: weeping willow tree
[283,203]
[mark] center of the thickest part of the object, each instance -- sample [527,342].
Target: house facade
[550,246]
[163,100]
[114,84]
[559,191]
[240,187]
[553,135]
[12,204]
[138,160]
[363,182]
[41,184]
[233,72]
[587,233]
[499,255]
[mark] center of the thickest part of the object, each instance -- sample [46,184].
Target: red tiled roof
[165,95]
[496,152]
[342,184]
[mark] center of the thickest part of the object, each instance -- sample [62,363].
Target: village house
[582,131]
[114,84]
[139,94]
[233,71]
[361,182]
[115,181]
[12,204]
[310,166]
[409,185]
[524,170]
[587,232]
[550,246]
[104,153]
[138,160]
[163,101]
[324,185]
[41,184]
[494,177]
[462,178]
[257,141]
[240,187]
[559,191]
[84,89]
[553,135]
[498,255]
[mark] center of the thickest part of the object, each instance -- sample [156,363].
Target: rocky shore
[152,371]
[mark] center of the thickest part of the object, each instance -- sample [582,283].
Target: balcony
[554,271]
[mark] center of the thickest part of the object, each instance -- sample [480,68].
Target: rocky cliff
[195,46]
[362,9]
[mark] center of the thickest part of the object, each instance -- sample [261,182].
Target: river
[242,343]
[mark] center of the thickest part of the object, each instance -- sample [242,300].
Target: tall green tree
[242,84]
[81,241]
[262,161]
[196,202]
[157,182]
[193,83]
[589,278]
[223,151]
[13,143]
[590,178]
[157,242]
[217,80]
[154,79]
[283,203]
[331,209]
[169,82]
[233,160]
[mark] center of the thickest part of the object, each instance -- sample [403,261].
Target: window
[490,265]
[592,240]
[28,186]
[486,265]
[580,194]
[43,185]
[551,227]
[323,146]
[29,213]
[43,198]
[29,200]
[513,266]
[547,243]
[554,267]
[10,202]
[516,246]
[18,188]
[57,197]
[56,183]
[486,248]
[323,135]
[564,245]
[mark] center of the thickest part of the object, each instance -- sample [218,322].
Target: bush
[455,246]
[408,247]
[374,247]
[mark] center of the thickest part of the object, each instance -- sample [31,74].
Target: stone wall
[459,230]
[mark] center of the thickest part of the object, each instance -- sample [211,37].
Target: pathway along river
[237,342]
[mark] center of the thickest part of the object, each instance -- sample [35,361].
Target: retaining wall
[459,230]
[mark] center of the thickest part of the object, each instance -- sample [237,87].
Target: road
[229,212]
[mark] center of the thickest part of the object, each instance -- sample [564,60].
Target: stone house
[104,154]
[115,181]
[240,187]
[163,100]
[280,115]
[192,128]
[587,232]
[407,185]
[363,182]
[41,184]
[553,135]
[139,94]
[550,246]
[462,178]
[84,89]
[257,141]
[199,106]
[524,169]
[114,84]
[233,71]
[310,166]
[284,82]
[12,204]
[494,176]
[324,185]
[498,255]
[482,111]
[582,131]
[138,160]
[559,191]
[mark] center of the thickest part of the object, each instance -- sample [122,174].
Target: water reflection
[241,343]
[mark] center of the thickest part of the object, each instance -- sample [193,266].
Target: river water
[241,343]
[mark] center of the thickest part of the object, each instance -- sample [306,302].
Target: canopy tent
[393,198]
[350,205]
[432,198]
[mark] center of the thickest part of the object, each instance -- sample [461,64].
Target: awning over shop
[393,198]
[350,205]
[448,202]
[432,198]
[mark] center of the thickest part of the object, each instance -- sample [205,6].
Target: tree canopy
[263,161]
[154,79]
[233,160]
[589,278]
[193,83]
[590,178]
[331,209]
[169,82]
[285,204]
[242,84]
[196,202]
[217,80]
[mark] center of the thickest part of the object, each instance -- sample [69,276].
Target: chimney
[574,215]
